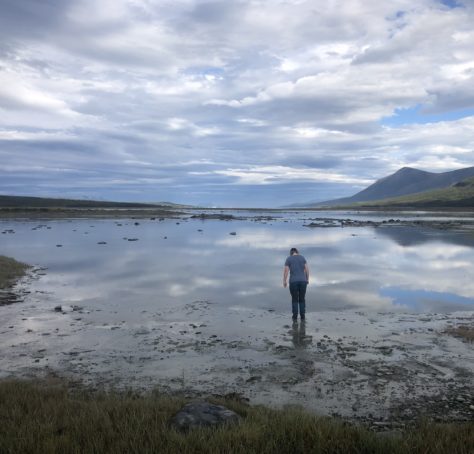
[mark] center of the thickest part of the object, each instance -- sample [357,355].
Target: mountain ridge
[458,195]
[405,181]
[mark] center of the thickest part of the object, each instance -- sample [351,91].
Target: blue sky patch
[414,115]
[452,3]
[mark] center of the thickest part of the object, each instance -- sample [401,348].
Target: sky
[231,103]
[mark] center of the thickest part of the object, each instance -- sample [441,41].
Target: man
[298,269]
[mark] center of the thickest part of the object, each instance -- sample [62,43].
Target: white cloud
[280,174]
[182,124]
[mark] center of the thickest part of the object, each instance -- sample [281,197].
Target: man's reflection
[298,331]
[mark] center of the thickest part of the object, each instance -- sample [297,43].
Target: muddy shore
[324,222]
[403,367]
[84,213]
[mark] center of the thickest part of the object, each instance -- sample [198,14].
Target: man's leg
[294,299]
[301,298]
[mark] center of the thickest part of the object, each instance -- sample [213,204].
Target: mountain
[9,201]
[403,182]
[460,194]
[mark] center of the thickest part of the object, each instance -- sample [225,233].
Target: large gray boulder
[203,414]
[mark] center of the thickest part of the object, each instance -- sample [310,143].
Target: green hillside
[7,201]
[460,194]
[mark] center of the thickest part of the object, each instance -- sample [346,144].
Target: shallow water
[205,311]
[176,262]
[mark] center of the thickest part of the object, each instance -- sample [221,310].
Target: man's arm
[286,270]
[306,272]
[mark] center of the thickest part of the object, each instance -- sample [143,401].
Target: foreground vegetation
[10,271]
[47,418]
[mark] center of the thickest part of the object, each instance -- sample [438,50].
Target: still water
[151,264]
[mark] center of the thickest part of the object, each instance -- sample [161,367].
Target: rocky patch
[203,414]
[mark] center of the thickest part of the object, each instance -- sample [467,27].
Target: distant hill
[173,205]
[8,201]
[460,194]
[405,181]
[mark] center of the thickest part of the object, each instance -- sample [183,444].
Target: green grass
[10,271]
[47,418]
[458,195]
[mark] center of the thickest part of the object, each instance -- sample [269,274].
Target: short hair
[293,250]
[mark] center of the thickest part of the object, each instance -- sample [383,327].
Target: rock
[203,414]
[254,378]
[142,331]
[58,309]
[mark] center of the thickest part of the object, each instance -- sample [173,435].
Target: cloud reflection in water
[358,268]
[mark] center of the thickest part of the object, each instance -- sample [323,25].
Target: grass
[10,271]
[465,332]
[43,417]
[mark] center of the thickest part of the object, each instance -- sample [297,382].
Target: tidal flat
[194,305]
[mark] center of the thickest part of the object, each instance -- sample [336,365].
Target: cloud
[217,102]
[281,174]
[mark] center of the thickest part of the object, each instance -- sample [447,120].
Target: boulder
[203,414]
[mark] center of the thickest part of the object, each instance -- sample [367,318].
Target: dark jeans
[298,292]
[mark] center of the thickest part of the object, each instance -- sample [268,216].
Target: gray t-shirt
[296,264]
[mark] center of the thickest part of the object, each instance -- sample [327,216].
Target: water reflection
[406,236]
[174,264]
[299,337]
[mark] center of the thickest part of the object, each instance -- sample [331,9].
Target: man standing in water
[298,269]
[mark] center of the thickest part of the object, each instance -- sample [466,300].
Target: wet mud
[383,369]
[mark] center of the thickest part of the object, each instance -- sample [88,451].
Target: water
[204,311]
[175,262]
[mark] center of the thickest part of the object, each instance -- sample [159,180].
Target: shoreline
[84,213]
[448,220]
[11,272]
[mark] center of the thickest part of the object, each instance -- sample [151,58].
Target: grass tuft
[10,271]
[49,418]
[465,332]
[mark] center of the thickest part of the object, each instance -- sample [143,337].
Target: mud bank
[465,224]
[402,366]
[85,213]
